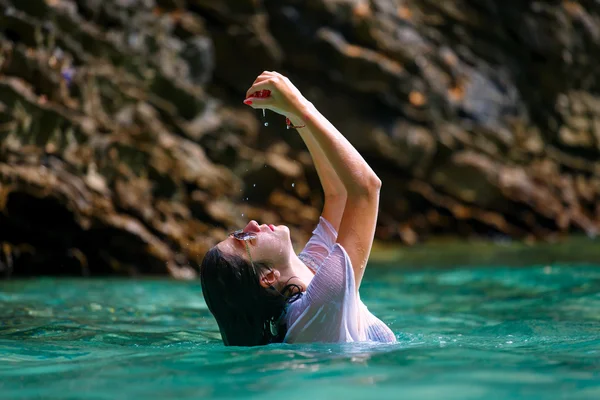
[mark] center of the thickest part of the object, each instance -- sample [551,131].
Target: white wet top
[330,310]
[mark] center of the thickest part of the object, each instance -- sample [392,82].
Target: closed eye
[241,245]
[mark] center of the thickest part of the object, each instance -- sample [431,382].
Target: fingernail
[248,102]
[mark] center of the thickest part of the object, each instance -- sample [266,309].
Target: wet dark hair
[245,311]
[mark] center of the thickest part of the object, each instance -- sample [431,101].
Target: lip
[272,227]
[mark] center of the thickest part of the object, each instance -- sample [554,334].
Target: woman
[255,285]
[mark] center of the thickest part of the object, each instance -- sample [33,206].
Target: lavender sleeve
[319,245]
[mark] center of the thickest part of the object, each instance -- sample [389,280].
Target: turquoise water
[489,333]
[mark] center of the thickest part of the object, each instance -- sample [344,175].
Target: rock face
[125,147]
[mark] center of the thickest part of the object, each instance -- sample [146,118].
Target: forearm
[346,163]
[335,193]
[330,181]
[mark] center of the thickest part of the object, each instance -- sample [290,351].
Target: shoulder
[325,233]
[319,245]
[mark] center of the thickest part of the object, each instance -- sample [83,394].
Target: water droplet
[254,185]
[266,124]
[242,215]
[263,112]
[293,184]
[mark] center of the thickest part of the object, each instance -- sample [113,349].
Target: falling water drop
[254,185]
[263,112]
[293,185]
[242,214]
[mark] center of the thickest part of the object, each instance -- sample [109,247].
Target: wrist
[301,108]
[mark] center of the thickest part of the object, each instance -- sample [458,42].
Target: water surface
[470,333]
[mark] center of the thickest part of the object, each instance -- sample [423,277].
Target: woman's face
[272,244]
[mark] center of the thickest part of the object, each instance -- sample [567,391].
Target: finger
[256,82]
[263,85]
[262,77]
[261,102]
[263,96]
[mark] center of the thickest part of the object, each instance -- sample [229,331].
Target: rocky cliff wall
[125,147]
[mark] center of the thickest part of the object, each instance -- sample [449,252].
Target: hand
[275,92]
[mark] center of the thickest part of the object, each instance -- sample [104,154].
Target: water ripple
[464,334]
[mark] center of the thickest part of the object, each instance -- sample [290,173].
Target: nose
[252,227]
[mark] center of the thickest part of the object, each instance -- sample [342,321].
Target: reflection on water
[501,333]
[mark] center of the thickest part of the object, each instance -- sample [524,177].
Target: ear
[269,278]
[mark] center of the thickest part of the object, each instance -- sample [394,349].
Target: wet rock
[124,147]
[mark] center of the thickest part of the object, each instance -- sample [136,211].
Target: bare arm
[358,221]
[359,217]
[334,191]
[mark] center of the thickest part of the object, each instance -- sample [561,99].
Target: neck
[296,273]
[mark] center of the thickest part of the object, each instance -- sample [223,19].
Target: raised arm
[333,189]
[358,221]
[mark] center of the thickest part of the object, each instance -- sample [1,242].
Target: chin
[284,229]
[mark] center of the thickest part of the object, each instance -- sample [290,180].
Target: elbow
[368,186]
[375,183]
[372,183]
